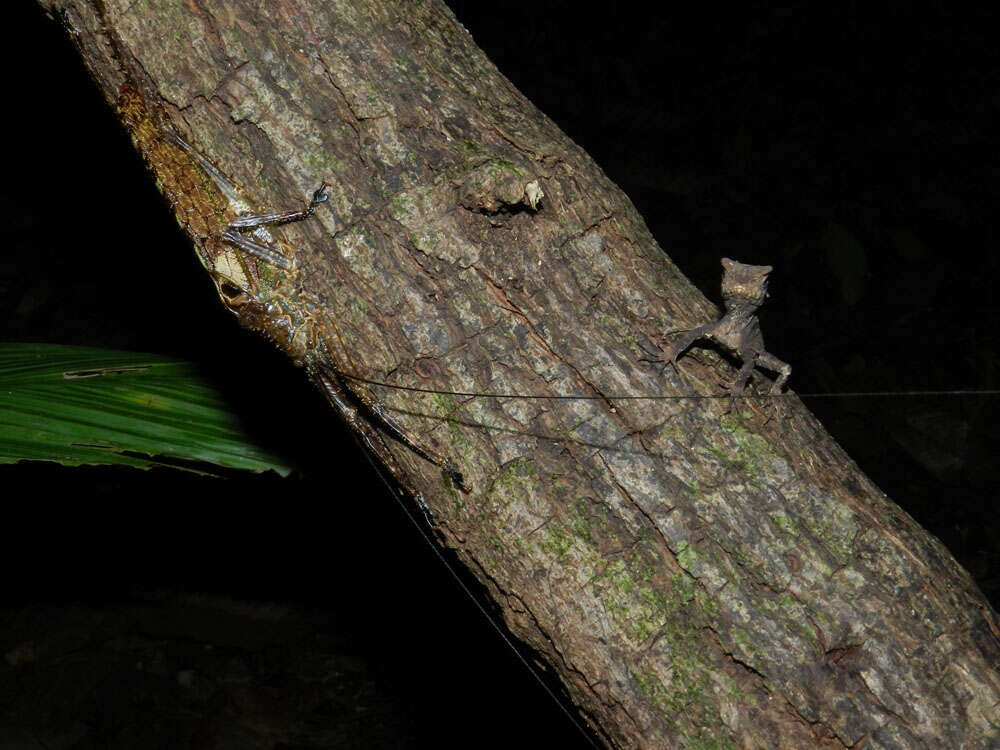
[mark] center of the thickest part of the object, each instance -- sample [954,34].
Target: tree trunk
[694,577]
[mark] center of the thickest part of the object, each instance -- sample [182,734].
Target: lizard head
[744,282]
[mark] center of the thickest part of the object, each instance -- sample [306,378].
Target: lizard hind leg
[775,365]
[739,386]
[783,371]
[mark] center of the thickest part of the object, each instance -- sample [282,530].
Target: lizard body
[744,288]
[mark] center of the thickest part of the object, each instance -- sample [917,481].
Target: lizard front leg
[682,344]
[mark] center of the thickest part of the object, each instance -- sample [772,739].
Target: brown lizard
[744,288]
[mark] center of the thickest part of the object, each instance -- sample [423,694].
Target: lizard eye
[231,293]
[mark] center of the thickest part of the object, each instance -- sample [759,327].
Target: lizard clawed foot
[661,358]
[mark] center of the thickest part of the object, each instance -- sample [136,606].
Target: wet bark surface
[693,576]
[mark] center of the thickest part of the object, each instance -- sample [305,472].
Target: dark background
[854,148]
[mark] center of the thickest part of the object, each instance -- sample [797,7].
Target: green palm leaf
[76,405]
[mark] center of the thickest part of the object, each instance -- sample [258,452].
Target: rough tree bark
[694,578]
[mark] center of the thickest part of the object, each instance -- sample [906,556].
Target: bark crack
[670,557]
[510,306]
